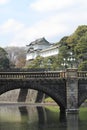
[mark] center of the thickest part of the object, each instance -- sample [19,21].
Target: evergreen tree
[4,61]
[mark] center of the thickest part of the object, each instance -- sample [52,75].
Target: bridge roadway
[67,88]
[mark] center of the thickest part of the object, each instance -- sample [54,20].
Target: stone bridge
[67,88]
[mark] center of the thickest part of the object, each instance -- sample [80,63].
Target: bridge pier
[71,91]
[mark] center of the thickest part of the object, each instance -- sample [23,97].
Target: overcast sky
[23,21]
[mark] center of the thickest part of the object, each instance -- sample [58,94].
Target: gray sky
[23,21]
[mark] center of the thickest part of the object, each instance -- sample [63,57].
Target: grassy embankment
[82,109]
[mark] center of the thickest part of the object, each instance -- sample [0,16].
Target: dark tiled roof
[39,41]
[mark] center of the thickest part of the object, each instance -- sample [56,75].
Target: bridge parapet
[26,75]
[82,74]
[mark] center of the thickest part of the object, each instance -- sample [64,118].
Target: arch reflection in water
[13,117]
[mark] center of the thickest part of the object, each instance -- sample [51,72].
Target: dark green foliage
[83,66]
[48,63]
[4,62]
[77,43]
[81,47]
[36,63]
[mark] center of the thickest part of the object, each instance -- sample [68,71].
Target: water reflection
[13,117]
[72,121]
[41,115]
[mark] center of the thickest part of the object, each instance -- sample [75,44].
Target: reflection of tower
[72,121]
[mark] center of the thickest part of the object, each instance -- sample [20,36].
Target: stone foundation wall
[19,95]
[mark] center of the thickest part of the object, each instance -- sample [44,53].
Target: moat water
[31,117]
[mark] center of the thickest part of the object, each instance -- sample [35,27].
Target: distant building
[41,47]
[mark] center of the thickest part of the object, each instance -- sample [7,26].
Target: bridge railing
[25,75]
[82,74]
[45,74]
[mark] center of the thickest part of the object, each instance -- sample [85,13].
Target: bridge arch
[55,88]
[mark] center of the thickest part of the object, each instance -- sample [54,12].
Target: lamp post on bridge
[69,62]
[71,85]
[64,64]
